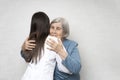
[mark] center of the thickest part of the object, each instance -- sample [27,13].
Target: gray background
[94,24]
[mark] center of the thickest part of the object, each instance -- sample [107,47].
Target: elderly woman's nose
[54,31]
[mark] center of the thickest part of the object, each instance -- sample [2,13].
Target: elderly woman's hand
[28,45]
[57,47]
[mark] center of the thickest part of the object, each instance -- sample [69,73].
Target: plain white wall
[94,24]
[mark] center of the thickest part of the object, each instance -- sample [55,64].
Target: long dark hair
[40,25]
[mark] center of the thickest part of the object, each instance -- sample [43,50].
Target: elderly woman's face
[56,30]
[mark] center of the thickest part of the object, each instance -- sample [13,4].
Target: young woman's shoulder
[51,37]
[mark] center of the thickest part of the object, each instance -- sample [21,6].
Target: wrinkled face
[56,30]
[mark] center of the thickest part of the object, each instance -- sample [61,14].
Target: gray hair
[65,25]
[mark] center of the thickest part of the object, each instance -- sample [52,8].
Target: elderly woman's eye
[52,27]
[59,28]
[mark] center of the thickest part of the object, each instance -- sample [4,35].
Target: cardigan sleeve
[22,54]
[72,61]
[26,57]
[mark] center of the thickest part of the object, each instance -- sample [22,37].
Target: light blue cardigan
[72,62]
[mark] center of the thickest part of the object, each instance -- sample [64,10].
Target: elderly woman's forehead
[57,24]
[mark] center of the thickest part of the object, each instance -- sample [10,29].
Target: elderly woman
[65,48]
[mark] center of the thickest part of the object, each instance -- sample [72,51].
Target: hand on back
[28,45]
